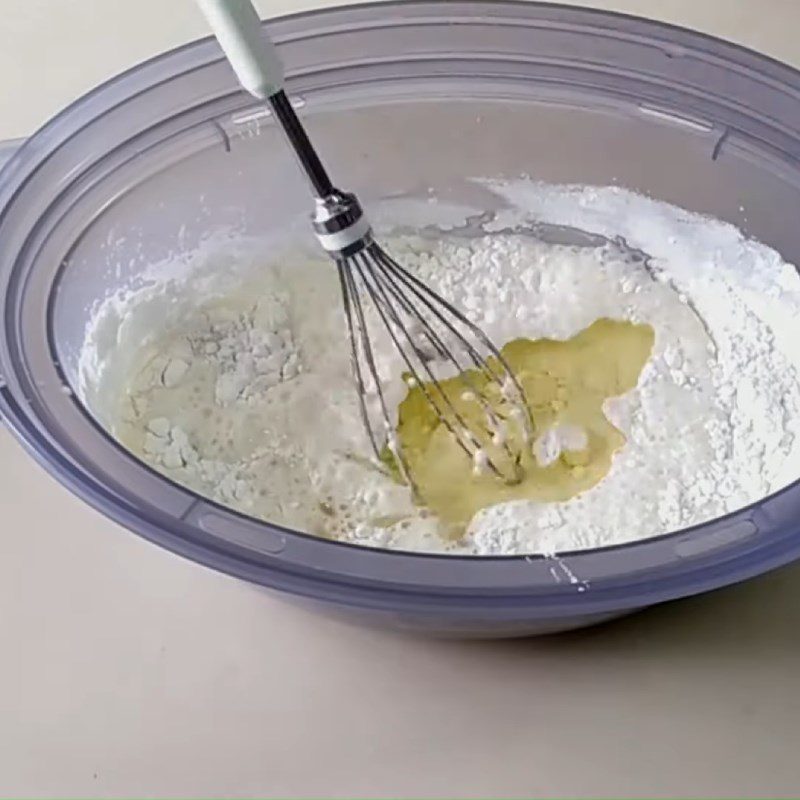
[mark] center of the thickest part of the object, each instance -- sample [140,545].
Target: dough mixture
[660,355]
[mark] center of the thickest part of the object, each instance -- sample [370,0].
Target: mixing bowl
[402,98]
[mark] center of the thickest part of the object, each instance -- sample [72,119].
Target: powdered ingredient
[244,393]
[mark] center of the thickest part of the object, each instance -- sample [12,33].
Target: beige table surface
[127,671]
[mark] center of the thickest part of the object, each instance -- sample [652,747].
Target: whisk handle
[246,45]
[258,67]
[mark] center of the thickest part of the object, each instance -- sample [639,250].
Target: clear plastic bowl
[400,98]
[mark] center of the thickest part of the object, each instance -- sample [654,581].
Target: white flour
[243,391]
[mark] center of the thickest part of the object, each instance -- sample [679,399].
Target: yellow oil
[565,383]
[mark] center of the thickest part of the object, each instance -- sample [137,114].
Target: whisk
[427,331]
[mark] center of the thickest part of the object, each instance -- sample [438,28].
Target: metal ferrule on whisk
[340,224]
[339,221]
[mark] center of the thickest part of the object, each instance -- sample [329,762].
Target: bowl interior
[410,105]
